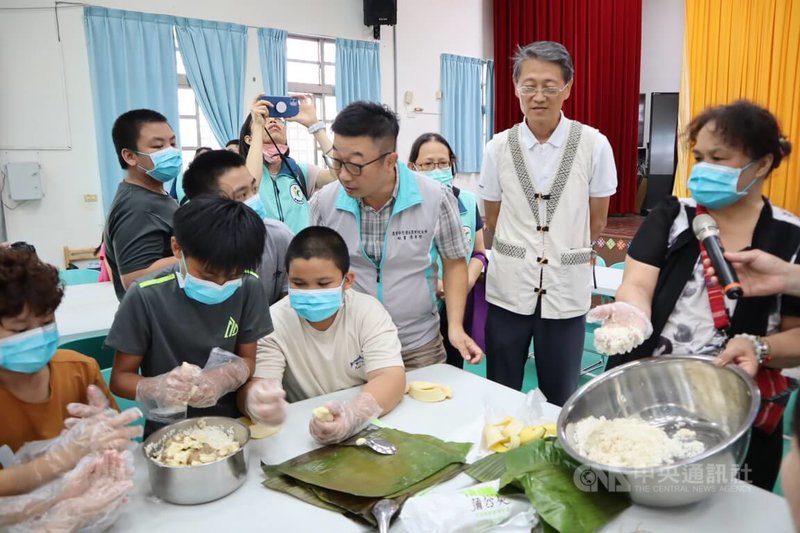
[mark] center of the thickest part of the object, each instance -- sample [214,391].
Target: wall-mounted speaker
[380,12]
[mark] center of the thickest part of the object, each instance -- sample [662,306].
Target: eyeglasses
[354,169]
[433,166]
[530,90]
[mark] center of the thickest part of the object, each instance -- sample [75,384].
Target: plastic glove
[97,493]
[265,402]
[623,327]
[224,372]
[97,403]
[348,419]
[97,433]
[161,397]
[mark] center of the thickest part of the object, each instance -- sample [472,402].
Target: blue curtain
[489,88]
[214,56]
[132,65]
[461,109]
[358,72]
[272,51]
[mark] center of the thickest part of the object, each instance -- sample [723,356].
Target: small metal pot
[190,485]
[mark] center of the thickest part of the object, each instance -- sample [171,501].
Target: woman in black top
[663,303]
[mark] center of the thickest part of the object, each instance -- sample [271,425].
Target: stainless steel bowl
[189,485]
[670,392]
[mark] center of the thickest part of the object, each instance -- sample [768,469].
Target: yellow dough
[259,431]
[511,433]
[425,391]
[322,413]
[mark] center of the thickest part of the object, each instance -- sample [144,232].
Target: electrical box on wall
[24,181]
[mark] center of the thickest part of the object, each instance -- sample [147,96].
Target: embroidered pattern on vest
[576,257]
[562,174]
[507,249]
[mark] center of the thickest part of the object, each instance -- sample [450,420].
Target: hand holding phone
[282,106]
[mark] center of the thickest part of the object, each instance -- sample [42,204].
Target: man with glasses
[546,184]
[390,219]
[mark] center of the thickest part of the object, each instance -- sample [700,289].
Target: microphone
[706,230]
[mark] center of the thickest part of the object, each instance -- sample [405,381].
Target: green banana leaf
[545,472]
[360,471]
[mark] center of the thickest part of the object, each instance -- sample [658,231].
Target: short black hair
[319,242]
[226,236]
[202,149]
[431,137]
[232,141]
[27,281]
[202,176]
[125,131]
[368,119]
[745,126]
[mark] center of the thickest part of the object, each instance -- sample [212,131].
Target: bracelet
[760,345]
[314,128]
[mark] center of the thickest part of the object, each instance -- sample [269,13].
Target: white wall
[426,28]
[662,46]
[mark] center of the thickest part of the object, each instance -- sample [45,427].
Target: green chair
[599,261]
[618,266]
[93,347]
[79,276]
[122,403]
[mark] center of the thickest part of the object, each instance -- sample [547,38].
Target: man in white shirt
[326,338]
[546,185]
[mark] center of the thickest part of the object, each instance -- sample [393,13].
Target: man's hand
[760,273]
[467,347]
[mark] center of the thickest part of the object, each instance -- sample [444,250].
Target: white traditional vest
[541,247]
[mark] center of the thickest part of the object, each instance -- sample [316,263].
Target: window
[310,69]
[193,129]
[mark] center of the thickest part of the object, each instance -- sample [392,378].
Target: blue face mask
[207,292]
[715,186]
[316,305]
[442,175]
[255,203]
[167,164]
[29,351]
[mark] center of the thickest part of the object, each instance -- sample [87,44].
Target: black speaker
[380,12]
[663,148]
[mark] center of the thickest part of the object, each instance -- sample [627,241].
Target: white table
[608,281]
[86,311]
[254,507]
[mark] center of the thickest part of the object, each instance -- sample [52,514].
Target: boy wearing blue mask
[327,338]
[139,224]
[223,172]
[168,323]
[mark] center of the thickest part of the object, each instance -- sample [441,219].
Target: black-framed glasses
[530,90]
[441,165]
[354,169]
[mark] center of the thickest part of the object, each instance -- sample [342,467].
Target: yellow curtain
[734,49]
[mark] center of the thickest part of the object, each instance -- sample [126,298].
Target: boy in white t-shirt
[326,338]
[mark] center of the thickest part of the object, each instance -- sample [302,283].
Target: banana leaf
[545,472]
[360,471]
[355,507]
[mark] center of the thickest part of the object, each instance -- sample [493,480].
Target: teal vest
[283,197]
[467,209]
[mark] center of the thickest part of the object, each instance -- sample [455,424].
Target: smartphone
[282,106]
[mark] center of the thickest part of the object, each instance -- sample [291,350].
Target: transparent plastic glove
[623,327]
[97,403]
[265,402]
[164,398]
[348,419]
[97,433]
[95,507]
[224,372]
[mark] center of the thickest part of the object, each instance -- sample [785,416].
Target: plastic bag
[470,510]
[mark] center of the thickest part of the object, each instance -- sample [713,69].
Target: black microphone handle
[724,271]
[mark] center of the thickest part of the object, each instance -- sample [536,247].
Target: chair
[79,276]
[588,347]
[122,403]
[619,266]
[78,254]
[599,261]
[93,347]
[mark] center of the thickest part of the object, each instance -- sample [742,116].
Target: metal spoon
[383,511]
[377,444]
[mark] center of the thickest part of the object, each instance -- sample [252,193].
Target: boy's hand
[265,402]
[97,403]
[214,383]
[348,419]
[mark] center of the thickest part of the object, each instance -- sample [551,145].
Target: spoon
[377,444]
[383,511]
